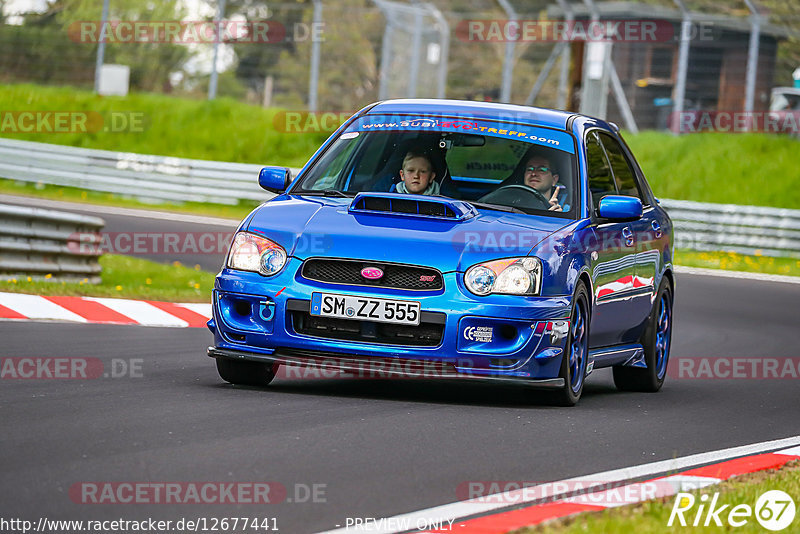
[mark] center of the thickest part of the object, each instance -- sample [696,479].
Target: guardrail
[731,227]
[36,242]
[146,177]
[698,226]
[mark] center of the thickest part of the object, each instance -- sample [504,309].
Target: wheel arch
[670,276]
[587,280]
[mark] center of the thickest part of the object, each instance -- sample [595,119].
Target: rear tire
[657,341]
[576,354]
[246,373]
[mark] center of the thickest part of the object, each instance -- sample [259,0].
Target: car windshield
[785,101]
[491,164]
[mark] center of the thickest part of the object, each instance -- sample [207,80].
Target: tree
[54,51]
[348,66]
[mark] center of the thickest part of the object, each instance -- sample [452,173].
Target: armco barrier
[698,226]
[142,176]
[36,242]
[730,227]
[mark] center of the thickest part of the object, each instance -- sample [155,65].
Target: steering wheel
[515,200]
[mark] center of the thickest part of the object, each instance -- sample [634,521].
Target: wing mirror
[620,208]
[275,179]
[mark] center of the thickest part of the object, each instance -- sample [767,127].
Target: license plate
[365,308]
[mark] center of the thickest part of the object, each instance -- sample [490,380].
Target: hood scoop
[412,206]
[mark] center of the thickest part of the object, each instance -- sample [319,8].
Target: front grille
[426,334]
[395,276]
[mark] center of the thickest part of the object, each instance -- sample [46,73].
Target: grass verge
[220,130]
[751,169]
[732,261]
[652,516]
[128,277]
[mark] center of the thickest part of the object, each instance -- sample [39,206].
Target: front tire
[576,355]
[656,340]
[245,372]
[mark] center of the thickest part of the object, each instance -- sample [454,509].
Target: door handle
[656,229]
[628,235]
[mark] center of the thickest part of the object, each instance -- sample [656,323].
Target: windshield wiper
[327,193]
[509,209]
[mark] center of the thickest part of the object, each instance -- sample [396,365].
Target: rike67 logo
[774,510]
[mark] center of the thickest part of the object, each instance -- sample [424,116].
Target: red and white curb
[21,306]
[491,514]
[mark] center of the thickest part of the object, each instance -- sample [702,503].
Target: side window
[644,187]
[601,182]
[623,173]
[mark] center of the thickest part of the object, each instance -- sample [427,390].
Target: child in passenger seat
[417,174]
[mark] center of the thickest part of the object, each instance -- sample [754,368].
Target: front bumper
[494,337]
[373,367]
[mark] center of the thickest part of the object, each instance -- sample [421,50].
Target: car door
[646,232]
[613,258]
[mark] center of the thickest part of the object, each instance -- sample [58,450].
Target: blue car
[454,239]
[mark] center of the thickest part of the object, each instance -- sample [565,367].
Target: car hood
[323,227]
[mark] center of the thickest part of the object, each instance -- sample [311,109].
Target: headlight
[512,276]
[250,252]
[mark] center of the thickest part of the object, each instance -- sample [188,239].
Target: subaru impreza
[452,239]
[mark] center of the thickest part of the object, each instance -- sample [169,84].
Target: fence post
[313,81]
[101,47]
[545,72]
[415,46]
[609,75]
[386,52]
[444,35]
[683,64]
[212,82]
[563,75]
[752,60]
[508,58]
[594,85]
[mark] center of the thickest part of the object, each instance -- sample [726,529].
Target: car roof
[479,110]
[786,90]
